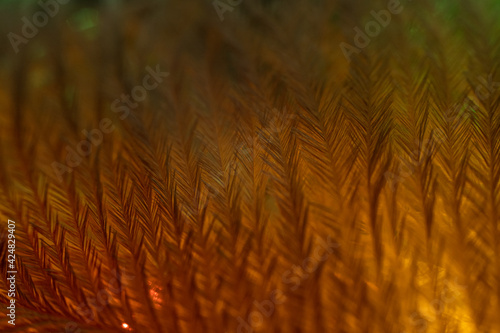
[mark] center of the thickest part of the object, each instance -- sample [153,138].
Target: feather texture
[294,171]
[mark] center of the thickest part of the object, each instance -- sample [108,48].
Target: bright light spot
[154,292]
[125,325]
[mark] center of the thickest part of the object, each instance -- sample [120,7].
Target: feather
[250,166]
